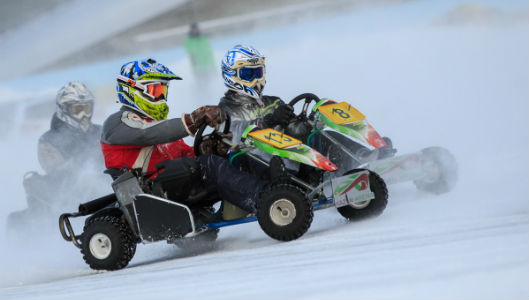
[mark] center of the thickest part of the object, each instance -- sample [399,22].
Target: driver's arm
[277,113]
[129,129]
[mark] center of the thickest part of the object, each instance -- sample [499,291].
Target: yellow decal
[341,113]
[274,138]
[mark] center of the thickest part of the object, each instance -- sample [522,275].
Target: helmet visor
[158,91]
[80,110]
[249,73]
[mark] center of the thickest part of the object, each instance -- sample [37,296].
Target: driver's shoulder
[267,99]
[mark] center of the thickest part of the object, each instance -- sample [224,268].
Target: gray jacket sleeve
[127,128]
[50,158]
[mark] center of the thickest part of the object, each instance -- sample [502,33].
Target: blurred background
[45,44]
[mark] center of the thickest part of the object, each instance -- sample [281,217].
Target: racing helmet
[142,85]
[75,105]
[243,70]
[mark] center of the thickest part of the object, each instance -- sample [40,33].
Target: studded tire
[371,208]
[283,212]
[107,243]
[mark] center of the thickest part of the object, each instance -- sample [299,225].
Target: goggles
[249,73]
[155,90]
[80,110]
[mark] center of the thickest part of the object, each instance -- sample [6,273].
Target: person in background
[65,152]
[199,50]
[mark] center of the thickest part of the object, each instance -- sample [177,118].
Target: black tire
[200,243]
[440,167]
[101,233]
[371,208]
[295,214]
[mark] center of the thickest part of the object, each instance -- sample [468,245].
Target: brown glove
[214,144]
[208,114]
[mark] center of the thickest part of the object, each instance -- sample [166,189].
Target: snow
[463,87]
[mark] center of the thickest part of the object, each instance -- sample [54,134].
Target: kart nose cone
[329,166]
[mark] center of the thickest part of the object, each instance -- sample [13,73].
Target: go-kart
[140,212]
[47,196]
[342,133]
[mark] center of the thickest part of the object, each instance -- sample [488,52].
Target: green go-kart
[341,133]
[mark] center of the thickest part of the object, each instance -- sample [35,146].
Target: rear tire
[440,167]
[370,208]
[107,243]
[283,212]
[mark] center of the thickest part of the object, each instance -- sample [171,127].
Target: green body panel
[355,130]
[300,153]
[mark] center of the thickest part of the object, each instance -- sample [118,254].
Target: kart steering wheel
[199,135]
[309,97]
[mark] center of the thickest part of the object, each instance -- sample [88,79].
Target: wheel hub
[360,205]
[100,245]
[432,171]
[282,212]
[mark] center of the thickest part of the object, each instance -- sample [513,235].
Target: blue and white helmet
[243,70]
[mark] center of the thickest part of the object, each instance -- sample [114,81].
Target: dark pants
[207,179]
[237,187]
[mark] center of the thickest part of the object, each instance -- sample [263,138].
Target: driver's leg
[237,187]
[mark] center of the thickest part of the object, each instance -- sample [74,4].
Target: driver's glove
[208,114]
[281,116]
[214,144]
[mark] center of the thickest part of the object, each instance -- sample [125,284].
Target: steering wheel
[199,135]
[309,97]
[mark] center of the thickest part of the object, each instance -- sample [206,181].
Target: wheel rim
[282,212]
[432,171]
[100,245]
[360,205]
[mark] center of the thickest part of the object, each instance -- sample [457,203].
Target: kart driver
[244,73]
[140,136]
[65,151]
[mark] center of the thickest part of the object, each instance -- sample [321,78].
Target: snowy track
[370,259]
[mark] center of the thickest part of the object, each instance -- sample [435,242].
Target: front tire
[107,243]
[283,212]
[440,169]
[370,208]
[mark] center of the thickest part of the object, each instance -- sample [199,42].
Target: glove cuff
[189,125]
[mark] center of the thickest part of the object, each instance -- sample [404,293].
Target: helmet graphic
[243,70]
[142,85]
[75,105]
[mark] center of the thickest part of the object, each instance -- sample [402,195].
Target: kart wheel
[107,243]
[283,212]
[369,208]
[440,169]
[200,243]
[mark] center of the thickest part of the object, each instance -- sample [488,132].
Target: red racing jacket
[131,141]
